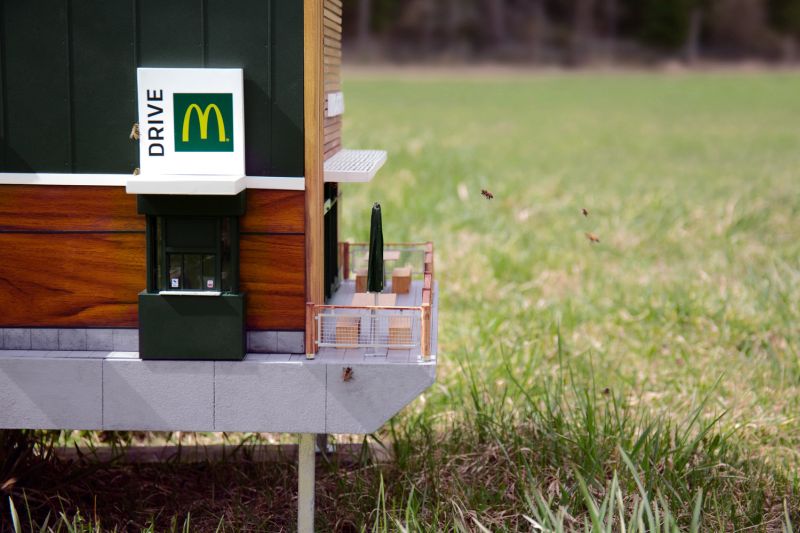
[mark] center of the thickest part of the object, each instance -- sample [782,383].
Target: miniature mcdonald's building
[170,192]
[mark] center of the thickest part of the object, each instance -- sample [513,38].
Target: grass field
[690,299]
[651,379]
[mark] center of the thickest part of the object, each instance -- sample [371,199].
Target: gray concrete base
[270,393]
[127,340]
[63,379]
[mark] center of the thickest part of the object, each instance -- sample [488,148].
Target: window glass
[191,232]
[175,271]
[159,254]
[193,254]
[225,237]
[210,272]
[193,272]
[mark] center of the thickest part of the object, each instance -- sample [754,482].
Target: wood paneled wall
[332,58]
[72,256]
[75,257]
[272,259]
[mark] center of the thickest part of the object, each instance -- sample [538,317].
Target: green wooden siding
[68,77]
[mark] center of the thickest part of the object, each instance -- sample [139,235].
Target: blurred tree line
[572,31]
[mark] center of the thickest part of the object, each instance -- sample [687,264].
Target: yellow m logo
[202,116]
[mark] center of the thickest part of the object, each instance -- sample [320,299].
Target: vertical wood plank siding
[68,77]
[332,77]
[313,94]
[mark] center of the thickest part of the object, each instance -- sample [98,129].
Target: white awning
[354,165]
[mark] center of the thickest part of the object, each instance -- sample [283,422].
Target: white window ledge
[189,293]
[354,166]
[185,184]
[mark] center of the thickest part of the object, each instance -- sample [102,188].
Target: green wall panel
[242,38]
[68,76]
[171,32]
[2,89]
[103,105]
[37,111]
[287,119]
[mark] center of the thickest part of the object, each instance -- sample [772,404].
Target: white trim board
[289,183]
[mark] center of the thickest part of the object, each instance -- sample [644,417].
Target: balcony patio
[399,326]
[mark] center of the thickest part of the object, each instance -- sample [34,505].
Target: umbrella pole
[372,326]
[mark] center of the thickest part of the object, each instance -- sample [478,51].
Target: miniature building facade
[79,250]
[197,301]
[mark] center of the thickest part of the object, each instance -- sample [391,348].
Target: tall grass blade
[697,513]
[14,516]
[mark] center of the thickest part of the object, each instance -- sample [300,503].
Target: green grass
[650,380]
[693,293]
[693,186]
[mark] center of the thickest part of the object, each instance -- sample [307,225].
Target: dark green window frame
[173,237]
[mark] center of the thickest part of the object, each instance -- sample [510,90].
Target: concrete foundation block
[158,395]
[17,339]
[264,395]
[126,340]
[373,394]
[50,393]
[71,339]
[100,339]
[262,341]
[291,342]
[44,339]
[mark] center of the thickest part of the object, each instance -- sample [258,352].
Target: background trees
[573,31]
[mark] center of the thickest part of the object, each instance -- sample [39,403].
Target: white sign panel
[191,121]
[335,104]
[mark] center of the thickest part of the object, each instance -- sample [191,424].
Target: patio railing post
[311,349]
[346,260]
[425,340]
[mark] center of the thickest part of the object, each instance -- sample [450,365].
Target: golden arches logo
[202,116]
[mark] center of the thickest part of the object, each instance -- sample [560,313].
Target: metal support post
[305,483]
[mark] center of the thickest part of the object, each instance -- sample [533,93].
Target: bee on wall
[347,373]
[134,136]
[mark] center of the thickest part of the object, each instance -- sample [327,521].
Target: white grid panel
[379,328]
[354,165]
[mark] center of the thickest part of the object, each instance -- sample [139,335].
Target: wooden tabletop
[366,299]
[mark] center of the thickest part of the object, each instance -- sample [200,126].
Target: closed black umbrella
[375,264]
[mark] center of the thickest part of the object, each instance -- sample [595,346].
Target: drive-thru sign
[191,121]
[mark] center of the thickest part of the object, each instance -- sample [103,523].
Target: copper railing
[343,326]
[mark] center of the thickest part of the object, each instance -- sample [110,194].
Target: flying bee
[592,237]
[584,211]
[486,194]
[134,136]
[347,373]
